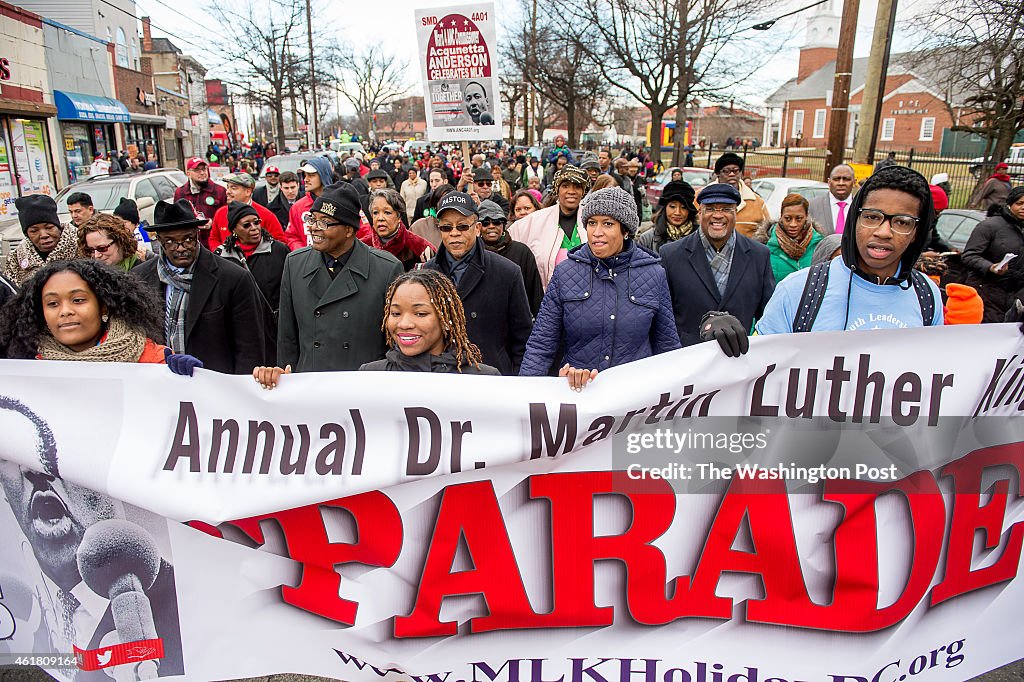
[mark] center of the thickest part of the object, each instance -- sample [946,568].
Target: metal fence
[809,164]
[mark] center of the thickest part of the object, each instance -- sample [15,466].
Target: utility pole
[874,85]
[312,74]
[841,86]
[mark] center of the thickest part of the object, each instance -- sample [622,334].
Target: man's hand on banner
[182,364]
[578,378]
[267,377]
[727,330]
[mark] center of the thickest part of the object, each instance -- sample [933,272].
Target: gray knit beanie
[825,248]
[614,202]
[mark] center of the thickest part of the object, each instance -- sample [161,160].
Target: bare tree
[262,55]
[512,92]
[975,51]
[369,80]
[562,70]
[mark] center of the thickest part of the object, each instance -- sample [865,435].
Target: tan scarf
[794,248]
[27,259]
[679,232]
[121,344]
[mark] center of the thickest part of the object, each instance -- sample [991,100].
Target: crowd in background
[495,261]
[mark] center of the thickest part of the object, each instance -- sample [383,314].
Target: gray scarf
[174,322]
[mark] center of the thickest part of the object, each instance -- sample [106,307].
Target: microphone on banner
[486,119]
[119,559]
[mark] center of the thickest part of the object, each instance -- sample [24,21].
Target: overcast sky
[391,23]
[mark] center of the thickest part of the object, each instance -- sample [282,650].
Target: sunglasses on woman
[90,250]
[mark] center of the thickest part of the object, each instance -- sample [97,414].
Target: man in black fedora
[213,309]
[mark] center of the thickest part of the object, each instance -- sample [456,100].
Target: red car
[696,177]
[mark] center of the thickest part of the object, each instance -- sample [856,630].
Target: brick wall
[128,83]
[812,59]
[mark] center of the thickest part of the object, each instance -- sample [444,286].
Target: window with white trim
[927,129]
[798,123]
[819,123]
[888,129]
[121,49]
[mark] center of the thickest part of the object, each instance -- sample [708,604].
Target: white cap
[939,178]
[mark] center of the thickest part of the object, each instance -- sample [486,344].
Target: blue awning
[213,117]
[73,106]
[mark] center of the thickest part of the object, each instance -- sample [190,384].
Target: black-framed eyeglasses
[186,243]
[899,223]
[90,250]
[311,222]
[252,223]
[730,170]
[487,222]
[462,227]
[483,183]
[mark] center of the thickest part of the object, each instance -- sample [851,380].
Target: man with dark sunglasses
[483,189]
[498,317]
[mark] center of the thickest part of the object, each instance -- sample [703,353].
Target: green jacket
[329,325]
[782,264]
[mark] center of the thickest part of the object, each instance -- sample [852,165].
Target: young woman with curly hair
[84,310]
[425,325]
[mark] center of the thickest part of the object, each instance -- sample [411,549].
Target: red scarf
[402,246]
[1001,176]
[248,249]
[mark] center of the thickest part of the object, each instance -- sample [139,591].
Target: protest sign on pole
[830,507]
[458,49]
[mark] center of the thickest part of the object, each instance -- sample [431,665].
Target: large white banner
[458,49]
[829,507]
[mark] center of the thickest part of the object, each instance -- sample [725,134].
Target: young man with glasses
[213,310]
[873,284]
[751,210]
[498,317]
[714,271]
[332,294]
[205,195]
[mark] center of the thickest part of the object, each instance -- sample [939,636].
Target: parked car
[106,191]
[956,224]
[696,177]
[774,190]
[1015,160]
[343,148]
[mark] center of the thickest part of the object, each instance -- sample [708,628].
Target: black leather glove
[727,330]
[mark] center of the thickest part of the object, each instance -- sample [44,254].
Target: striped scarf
[174,322]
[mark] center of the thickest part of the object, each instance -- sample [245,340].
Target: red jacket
[219,231]
[205,203]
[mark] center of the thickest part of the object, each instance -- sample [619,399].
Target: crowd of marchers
[492,264]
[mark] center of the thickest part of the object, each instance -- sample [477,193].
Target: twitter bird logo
[104,658]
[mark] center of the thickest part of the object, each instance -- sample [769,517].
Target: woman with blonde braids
[425,325]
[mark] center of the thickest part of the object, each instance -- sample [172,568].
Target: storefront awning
[213,117]
[149,119]
[73,106]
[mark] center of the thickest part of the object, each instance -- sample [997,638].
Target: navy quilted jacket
[602,313]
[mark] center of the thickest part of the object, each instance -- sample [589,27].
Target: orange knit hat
[963,305]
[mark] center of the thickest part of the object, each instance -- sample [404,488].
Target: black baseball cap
[460,201]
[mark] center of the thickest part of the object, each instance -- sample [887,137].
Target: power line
[184,40]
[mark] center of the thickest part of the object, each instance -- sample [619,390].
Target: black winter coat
[226,315]
[520,254]
[992,239]
[266,265]
[279,206]
[693,287]
[498,317]
[445,363]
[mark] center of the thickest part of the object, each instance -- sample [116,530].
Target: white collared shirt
[834,205]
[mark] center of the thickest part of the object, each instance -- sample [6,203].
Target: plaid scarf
[720,261]
[794,248]
[174,322]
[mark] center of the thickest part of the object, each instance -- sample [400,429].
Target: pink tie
[841,218]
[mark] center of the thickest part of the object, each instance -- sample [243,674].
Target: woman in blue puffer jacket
[607,304]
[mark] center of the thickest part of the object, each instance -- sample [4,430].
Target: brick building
[914,112]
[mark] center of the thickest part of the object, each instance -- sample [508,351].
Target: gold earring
[104,318]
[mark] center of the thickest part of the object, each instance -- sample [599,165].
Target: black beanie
[236,211]
[339,201]
[36,208]
[127,210]
[726,159]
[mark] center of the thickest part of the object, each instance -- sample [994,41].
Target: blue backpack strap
[925,296]
[811,298]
